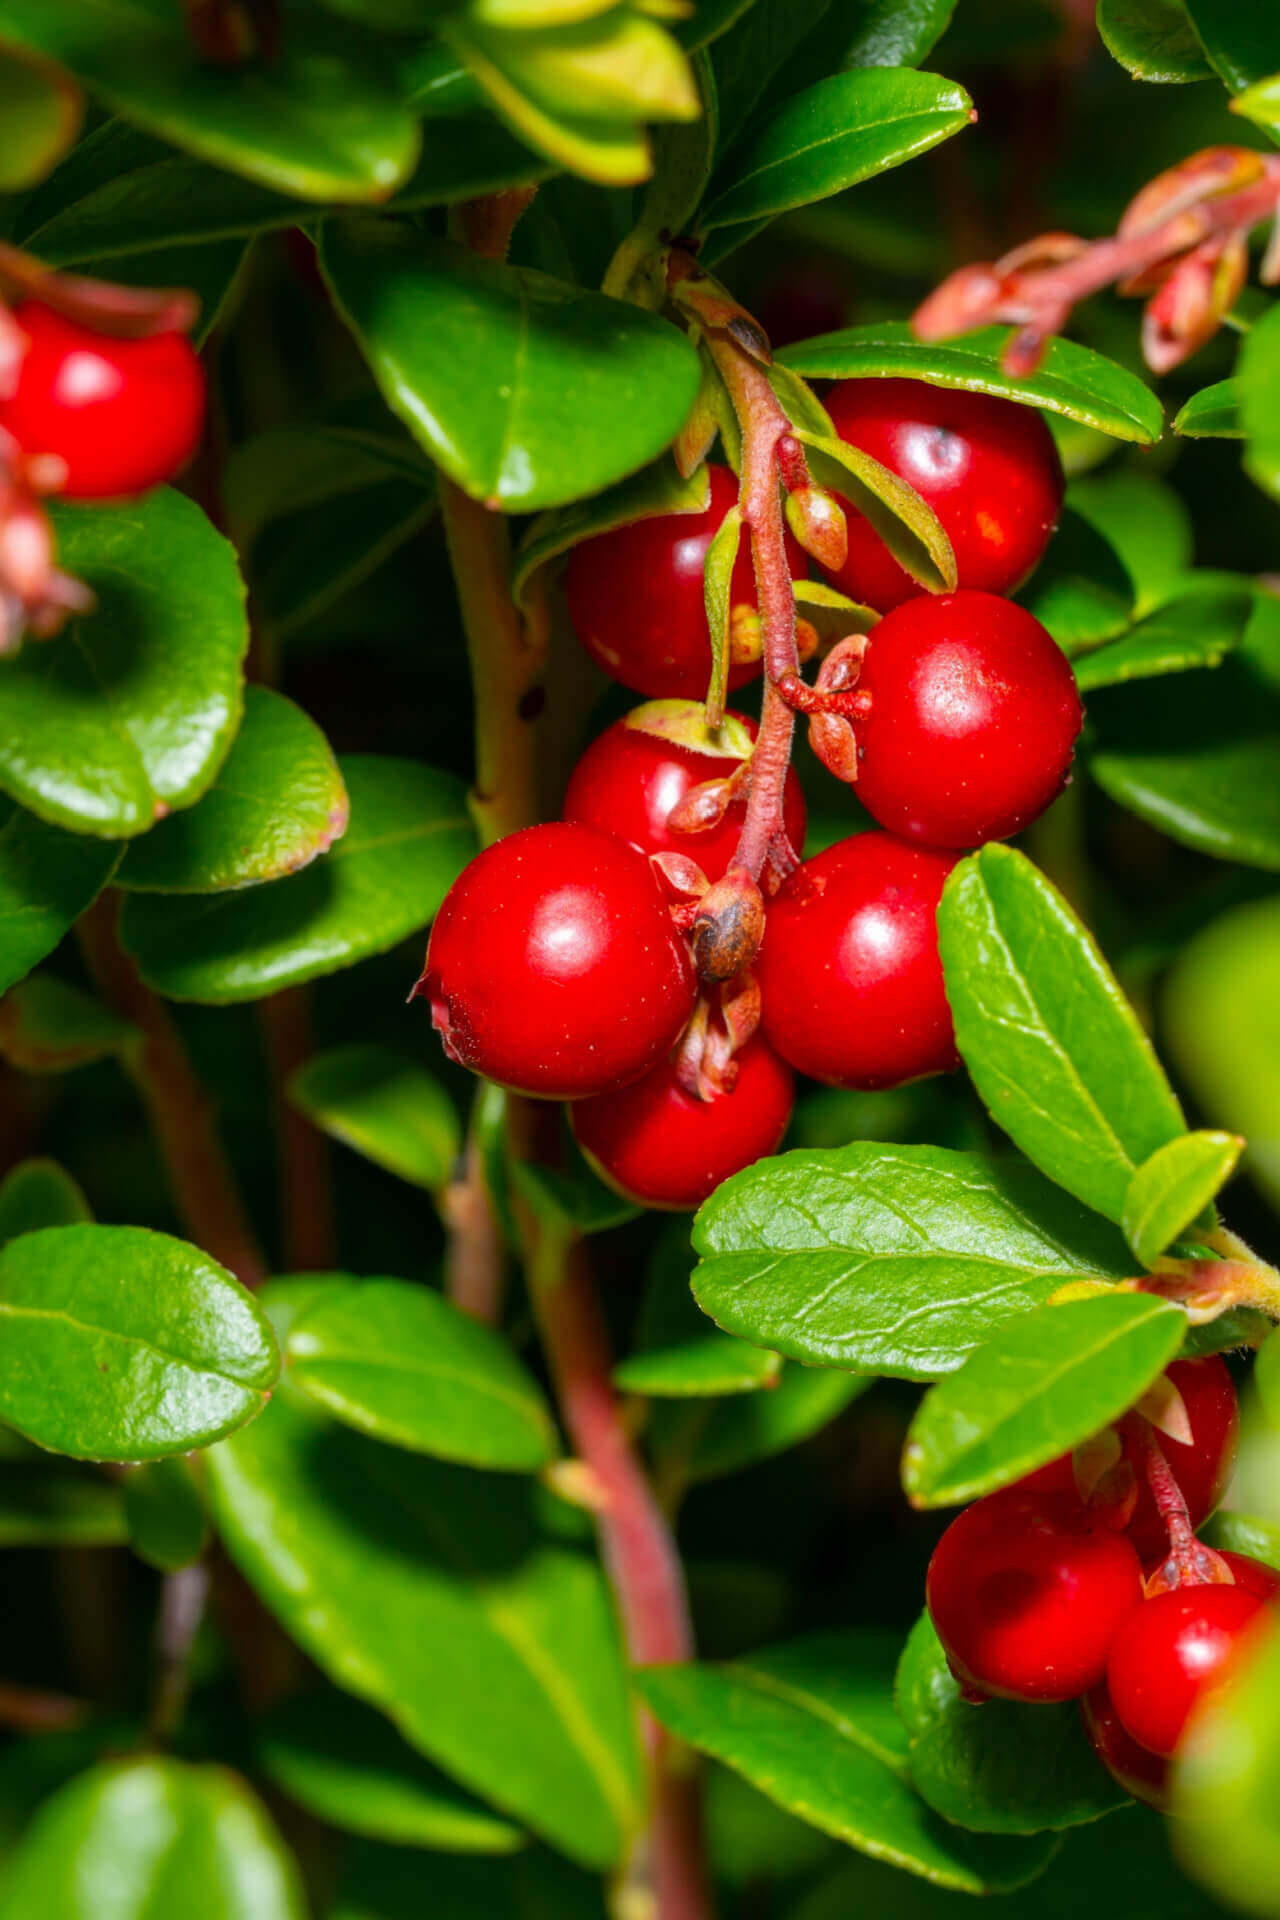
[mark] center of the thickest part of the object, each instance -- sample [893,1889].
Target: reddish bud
[817,520]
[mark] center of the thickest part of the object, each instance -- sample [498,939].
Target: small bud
[728,928]
[817,520]
[702,808]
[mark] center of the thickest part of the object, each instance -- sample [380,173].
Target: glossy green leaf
[904,521]
[409,838]
[1153,40]
[403,1364]
[1261,103]
[130,711]
[1226,1782]
[1051,1043]
[49,1026]
[528,392]
[47,879]
[141,1838]
[1004,1767]
[121,1344]
[41,109]
[1169,1192]
[325,119]
[386,1107]
[654,490]
[1257,383]
[1213,413]
[47,1503]
[1146,525]
[705,1439]
[1196,631]
[1266,1375]
[165,1513]
[39,1193]
[811,1724]
[346,1764]
[1241,38]
[893,33]
[747,59]
[432,1592]
[896,1259]
[676,1354]
[1072,380]
[384,1883]
[846,128]
[1035,1390]
[277,802]
[1244,1533]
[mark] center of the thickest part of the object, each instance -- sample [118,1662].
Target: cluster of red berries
[554,966]
[1042,1592]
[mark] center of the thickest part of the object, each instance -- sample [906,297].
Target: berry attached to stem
[1173,1650]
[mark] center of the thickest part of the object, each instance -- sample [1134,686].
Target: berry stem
[1189,1563]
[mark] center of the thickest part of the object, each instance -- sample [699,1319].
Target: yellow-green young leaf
[619,67]
[121,1344]
[46,1502]
[408,840]
[1050,1041]
[908,526]
[656,489]
[1226,1782]
[717,583]
[1169,1193]
[1036,1389]
[386,1883]
[47,879]
[1016,1768]
[142,1837]
[1213,413]
[49,1026]
[1261,103]
[399,1362]
[39,1193]
[386,1107]
[812,1725]
[41,109]
[165,1513]
[346,1764]
[684,154]
[1267,1378]
[1153,40]
[1258,383]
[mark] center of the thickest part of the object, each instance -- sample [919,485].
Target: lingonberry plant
[732,1387]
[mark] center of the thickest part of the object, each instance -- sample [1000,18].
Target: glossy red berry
[849,971]
[630,778]
[553,966]
[987,467]
[636,601]
[123,415]
[974,714]
[1170,1652]
[1144,1775]
[1026,1598]
[1253,1575]
[658,1145]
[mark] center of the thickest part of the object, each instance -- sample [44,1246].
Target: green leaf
[1257,384]
[49,1026]
[41,110]
[324,118]
[46,1503]
[1226,1782]
[432,1592]
[384,1883]
[406,1366]
[309,561]
[893,33]
[131,710]
[347,1765]
[1012,1769]
[143,1837]
[1035,1390]
[526,391]
[847,128]
[277,802]
[408,840]
[812,1726]
[1072,380]
[706,1439]
[1241,38]
[1153,40]
[573,1197]
[747,59]
[297,469]
[167,1524]
[386,1107]
[657,489]
[896,1259]
[1170,1191]
[39,1193]
[1196,631]
[675,1355]
[904,521]
[1261,104]
[1244,1533]
[123,1344]
[1213,413]
[717,582]
[47,879]
[1266,1376]
[1051,1043]
[1146,525]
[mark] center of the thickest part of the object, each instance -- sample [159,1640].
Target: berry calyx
[1026,1598]
[632,777]
[1173,1650]
[988,468]
[662,1147]
[974,714]
[553,966]
[849,971]
[635,598]
[122,415]
[1144,1775]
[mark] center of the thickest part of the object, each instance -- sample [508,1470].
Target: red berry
[849,970]
[123,414]
[628,781]
[553,966]
[988,468]
[1026,1599]
[1144,1775]
[1253,1575]
[660,1146]
[636,603]
[1170,1652]
[974,715]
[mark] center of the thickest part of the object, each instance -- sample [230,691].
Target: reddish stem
[1189,1563]
[474,1256]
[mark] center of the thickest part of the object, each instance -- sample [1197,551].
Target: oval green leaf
[1197,631]
[49,1026]
[1241,38]
[1153,40]
[165,1513]
[654,490]
[47,879]
[41,109]
[1213,413]
[39,1193]
[1169,1193]
[908,526]
[384,1106]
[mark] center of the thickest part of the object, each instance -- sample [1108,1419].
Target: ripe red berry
[660,1146]
[1144,1775]
[974,715]
[1253,1575]
[630,778]
[124,415]
[1171,1651]
[636,602]
[987,467]
[553,966]
[1026,1599]
[849,971]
